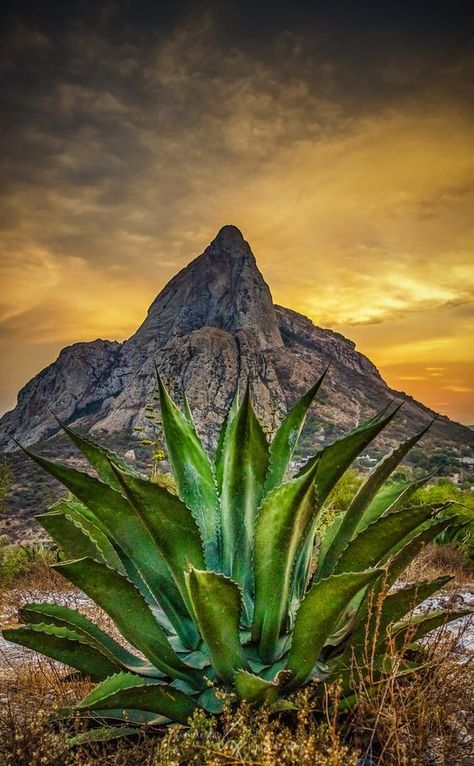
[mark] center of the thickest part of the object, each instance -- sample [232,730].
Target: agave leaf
[402,559]
[328,538]
[333,462]
[394,496]
[394,567]
[101,734]
[64,645]
[72,537]
[286,438]
[216,602]
[103,716]
[375,542]
[170,523]
[119,598]
[120,522]
[125,690]
[79,515]
[418,626]
[394,607]
[211,700]
[198,659]
[334,459]
[301,571]
[252,688]
[62,616]
[192,472]
[100,458]
[242,469]
[76,534]
[318,615]
[234,406]
[403,600]
[352,518]
[187,411]
[285,515]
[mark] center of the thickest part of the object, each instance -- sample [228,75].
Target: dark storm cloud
[111,111]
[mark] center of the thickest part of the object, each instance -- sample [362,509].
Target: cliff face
[213,324]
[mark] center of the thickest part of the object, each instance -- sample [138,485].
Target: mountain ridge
[215,323]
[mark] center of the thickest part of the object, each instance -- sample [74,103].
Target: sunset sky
[338,136]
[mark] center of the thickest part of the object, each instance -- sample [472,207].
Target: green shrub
[13,563]
[445,491]
[18,560]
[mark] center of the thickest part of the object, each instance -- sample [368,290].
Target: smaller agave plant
[221,590]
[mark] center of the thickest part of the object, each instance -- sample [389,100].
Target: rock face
[212,325]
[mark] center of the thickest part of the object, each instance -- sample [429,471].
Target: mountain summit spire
[221,288]
[229,235]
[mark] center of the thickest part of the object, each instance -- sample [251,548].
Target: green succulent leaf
[284,517]
[105,716]
[211,700]
[62,616]
[252,688]
[170,523]
[374,543]
[69,524]
[64,645]
[399,562]
[125,690]
[72,537]
[101,734]
[242,469]
[286,438]
[119,521]
[317,617]
[217,606]
[395,606]
[351,519]
[192,472]
[418,626]
[392,497]
[187,411]
[119,598]
[100,458]
[234,406]
[334,460]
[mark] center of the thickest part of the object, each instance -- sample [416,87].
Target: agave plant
[221,588]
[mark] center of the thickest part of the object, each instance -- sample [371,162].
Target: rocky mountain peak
[230,238]
[221,288]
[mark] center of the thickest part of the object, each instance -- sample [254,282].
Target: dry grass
[437,560]
[420,719]
[240,736]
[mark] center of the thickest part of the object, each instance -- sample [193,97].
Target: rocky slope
[212,325]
